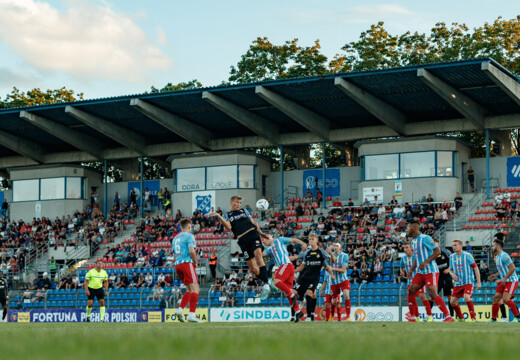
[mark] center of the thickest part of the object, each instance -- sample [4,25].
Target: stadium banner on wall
[152,185]
[369,193]
[332,181]
[203,201]
[169,315]
[398,192]
[251,314]
[513,171]
[482,313]
[77,315]
[364,314]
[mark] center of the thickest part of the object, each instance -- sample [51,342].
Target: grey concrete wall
[49,208]
[497,169]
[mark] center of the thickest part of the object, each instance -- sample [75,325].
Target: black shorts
[303,284]
[446,285]
[3,301]
[249,243]
[96,293]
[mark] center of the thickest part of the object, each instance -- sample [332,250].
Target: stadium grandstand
[60,217]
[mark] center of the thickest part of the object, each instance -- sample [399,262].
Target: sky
[107,48]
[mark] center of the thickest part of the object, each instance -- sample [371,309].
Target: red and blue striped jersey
[337,262]
[327,290]
[503,260]
[462,267]
[181,245]
[278,251]
[423,246]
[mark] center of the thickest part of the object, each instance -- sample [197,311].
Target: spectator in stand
[319,196]
[117,200]
[160,199]
[5,207]
[458,202]
[299,210]
[168,280]
[45,282]
[229,300]
[471,178]
[355,276]
[484,272]
[175,296]
[469,248]
[308,197]
[148,280]
[124,283]
[157,293]
[160,279]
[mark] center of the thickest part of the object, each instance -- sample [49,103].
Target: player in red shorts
[185,264]
[462,267]
[425,252]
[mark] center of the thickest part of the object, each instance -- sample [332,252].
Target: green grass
[259,341]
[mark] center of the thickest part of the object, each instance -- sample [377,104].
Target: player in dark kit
[314,259]
[445,279]
[4,294]
[248,233]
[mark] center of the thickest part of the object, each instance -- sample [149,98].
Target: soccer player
[425,252]
[340,281]
[507,281]
[284,277]
[95,280]
[461,265]
[406,264]
[330,303]
[248,233]
[185,252]
[445,280]
[4,294]
[314,259]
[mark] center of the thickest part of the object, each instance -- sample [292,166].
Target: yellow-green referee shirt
[95,279]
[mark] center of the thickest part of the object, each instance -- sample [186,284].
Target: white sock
[180,309]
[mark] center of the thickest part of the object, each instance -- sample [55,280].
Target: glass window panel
[53,188]
[222,177]
[26,190]
[445,163]
[421,164]
[74,188]
[191,179]
[379,167]
[246,176]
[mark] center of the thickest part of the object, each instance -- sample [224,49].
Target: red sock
[332,310]
[185,300]
[327,313]
[471,309]
[458,311]
[412,303]
[416,308]
[295,306]
[513,307]
[442,306]
[284,288]
[494,311]
[194,300]
[347,307]
[428,307]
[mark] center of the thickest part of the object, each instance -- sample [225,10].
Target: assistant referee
[95,280]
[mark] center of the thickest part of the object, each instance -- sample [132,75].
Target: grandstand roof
[408,101]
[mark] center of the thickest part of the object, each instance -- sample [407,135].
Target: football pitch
[259,341]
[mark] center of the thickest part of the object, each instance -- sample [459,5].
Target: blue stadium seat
[354,300]
[377,299]
[393,299]
[369,292]
[377,292]
[379,278]
[368,299]
[354,292]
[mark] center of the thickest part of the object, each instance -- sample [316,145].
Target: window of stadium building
[222,177]
[75,188]
[409,165]
[26,190]
[51,189]
[191,179]
[246,176]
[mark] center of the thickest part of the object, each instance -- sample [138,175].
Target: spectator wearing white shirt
[148,280]
[160,279]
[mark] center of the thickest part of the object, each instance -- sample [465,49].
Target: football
[262,205]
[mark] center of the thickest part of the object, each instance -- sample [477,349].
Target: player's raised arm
[223,221]
[299,242]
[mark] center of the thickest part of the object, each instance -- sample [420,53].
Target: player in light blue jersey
[407,262]
[462,267]
[184,248]
[339,265]
[507,281]
[425,252]
[330,303]
[284,277]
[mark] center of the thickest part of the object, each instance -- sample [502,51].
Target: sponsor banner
[513,171]
[77,315]
[203,201]
[482,312]
[311,178]
[251,314]
[370,193]
[363,314]
[152,185]
[398,192]
[169,315]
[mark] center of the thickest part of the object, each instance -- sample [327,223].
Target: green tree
[17,98]
[192,84]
